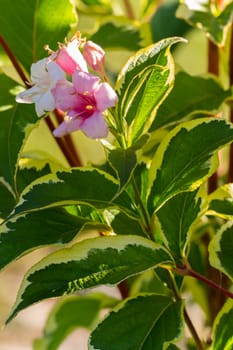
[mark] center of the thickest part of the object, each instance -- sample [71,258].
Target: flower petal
[66,127]
[64,95]
[55,73]
[84,82]
[38,70]
[105,96]
[95,127]
[45,103]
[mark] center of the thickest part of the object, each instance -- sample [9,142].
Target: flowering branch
[66,144]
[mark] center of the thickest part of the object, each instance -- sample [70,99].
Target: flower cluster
[62,81]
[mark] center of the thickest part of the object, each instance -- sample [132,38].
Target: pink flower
[69,58]
[94,55]
[84,100]
[44,76]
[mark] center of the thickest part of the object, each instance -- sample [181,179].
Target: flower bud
[69,58]
[94,55]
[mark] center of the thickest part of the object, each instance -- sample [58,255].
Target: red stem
[13,60]
[187,271]
[213,68]
[230,170]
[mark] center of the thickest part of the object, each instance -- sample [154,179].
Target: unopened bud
[94,55]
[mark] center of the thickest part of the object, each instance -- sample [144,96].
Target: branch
[185,270]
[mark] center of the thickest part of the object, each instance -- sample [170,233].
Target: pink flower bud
[69,58]
[94,55]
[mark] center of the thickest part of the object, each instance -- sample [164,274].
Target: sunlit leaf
[92,262]
[143,84]
[221,202]
[220,250]
[184,159]
[28,26]
[222,335]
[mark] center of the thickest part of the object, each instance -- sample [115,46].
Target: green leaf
[203,16]
[221,202]
[142,313]
[168,328]
[68,314]
[176,218]
[16,122]
[123,224]
[98,189]
[172,347]
[26,176]
[118,34]
[143,84]
[33,230]
[191,95]
[27,26]
[222,334]
[124,163]
[164,22]
[77,186]
[148,282]
[220,250]
[7,200]
[93,262]
[184,159]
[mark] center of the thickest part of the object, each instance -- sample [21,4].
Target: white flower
[44,76]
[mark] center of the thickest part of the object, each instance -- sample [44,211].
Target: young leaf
[102,260]
[142,314]
[220,250]
[25,233]
[144,82]
[70,313]
[35,24]
[201,15]
[191,95]
[176,217]
[184,158]
[221,202]
[222,334]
